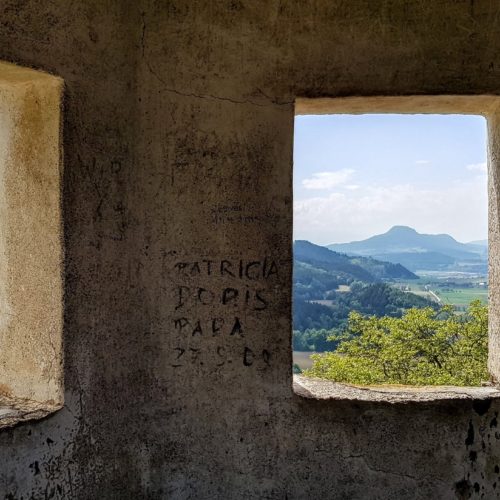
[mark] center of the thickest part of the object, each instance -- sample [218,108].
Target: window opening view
[390,278]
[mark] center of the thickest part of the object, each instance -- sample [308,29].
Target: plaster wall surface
[177,198]
[30,236]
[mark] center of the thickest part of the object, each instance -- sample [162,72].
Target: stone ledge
[14,411]
[315,388]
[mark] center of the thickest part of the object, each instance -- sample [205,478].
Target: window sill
[14,411]
[314,388]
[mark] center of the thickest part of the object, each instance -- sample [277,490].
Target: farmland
[457,289]
[462,297]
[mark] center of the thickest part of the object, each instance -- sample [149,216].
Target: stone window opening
[31,252]
[483,105]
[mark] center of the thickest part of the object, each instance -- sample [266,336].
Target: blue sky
[359,175]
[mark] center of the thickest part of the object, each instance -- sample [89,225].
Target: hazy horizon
[383,232]
[356,176]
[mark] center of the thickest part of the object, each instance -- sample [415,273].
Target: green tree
[423,347]
[313,340]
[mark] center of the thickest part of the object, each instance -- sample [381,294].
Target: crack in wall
[167,88]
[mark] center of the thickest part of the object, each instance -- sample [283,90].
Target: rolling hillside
[328,285]
[347,268]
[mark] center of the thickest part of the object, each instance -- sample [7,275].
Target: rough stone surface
[31,309]
[178,125]
[315,388]
[15,410]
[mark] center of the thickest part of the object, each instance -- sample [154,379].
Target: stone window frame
[487,106]
[31,244]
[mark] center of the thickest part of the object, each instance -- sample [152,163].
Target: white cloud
[328,180]
[459,209]
[422,162]
[477,167]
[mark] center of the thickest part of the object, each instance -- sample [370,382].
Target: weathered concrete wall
[31,308]
[178,150]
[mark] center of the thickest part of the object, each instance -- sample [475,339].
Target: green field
[457,289]
[462,297]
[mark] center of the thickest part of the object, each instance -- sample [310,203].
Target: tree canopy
[423,347]
[379,299]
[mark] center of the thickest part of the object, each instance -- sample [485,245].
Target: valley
[328,284]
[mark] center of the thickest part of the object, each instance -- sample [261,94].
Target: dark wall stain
[481,406]
[493,422]
[463,489]
[35,468]
[469,440]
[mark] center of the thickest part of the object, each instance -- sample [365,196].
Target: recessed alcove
[31,290]
[484,105]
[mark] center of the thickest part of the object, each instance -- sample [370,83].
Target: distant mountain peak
[401,230]
[414,250]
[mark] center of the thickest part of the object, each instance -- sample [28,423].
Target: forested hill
[346,268]
[328,285]
[379,299]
